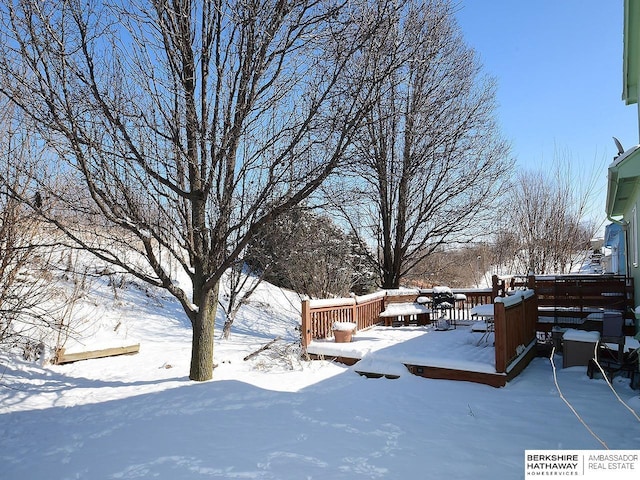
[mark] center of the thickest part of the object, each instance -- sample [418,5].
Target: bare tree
[29,312]
[549,219]
[504,250]
[19,260]
[190,123]
[430,161]
[240,284]
[459,266]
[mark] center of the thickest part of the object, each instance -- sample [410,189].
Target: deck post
[354,314]
[531,282]
[494,286]
[500,335]
[532,316]
[305,331]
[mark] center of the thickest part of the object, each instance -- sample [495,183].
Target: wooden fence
[515,320]
[566,300]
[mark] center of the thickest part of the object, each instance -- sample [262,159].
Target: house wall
[633,241]
[614,240]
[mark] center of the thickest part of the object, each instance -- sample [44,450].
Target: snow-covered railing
[515,319]
[474,296]
[318,316]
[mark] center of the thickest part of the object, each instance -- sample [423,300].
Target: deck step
[371,367]
[377,375]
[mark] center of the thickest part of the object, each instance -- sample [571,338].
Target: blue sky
[558,64]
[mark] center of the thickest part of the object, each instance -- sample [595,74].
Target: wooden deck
[457,354]
[512,337]
[519,318]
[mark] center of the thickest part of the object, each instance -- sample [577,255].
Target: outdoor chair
[613,331]
[612,367]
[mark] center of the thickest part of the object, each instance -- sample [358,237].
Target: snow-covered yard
[278,417]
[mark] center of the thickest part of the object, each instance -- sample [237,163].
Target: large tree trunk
[203,333]
[389,278]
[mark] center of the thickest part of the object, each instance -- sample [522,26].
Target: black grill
[443,300]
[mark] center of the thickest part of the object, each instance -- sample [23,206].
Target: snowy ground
[275,416]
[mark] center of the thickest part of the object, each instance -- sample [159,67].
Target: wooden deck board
[496,380]
[493,379]
[62,357]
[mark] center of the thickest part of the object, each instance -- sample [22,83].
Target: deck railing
[521,308]
[564,295]
[515,319]
[318,316]
[474,296]
[565,300]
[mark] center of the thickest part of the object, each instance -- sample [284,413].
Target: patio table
[405,311]
[485,311]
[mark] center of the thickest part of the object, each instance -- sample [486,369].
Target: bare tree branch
[191,124]
[430,160]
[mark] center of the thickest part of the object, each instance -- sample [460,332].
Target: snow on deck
[387,349]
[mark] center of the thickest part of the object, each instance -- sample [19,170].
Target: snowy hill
[275,416]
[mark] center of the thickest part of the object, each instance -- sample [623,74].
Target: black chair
[613,331]
[612,367]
